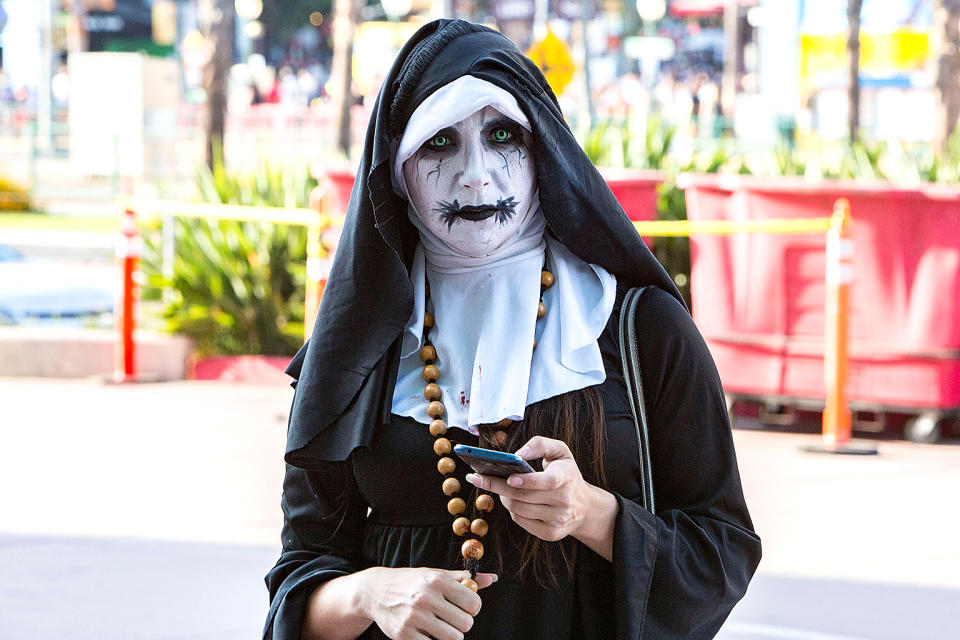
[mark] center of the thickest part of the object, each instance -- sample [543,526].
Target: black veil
[346,372]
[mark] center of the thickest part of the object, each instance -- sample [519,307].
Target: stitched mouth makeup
[504,209]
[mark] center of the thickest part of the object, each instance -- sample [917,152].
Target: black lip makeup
[504,209]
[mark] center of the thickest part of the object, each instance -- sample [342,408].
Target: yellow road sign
[553,57]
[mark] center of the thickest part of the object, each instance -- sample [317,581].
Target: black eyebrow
[502,122]
[450,132]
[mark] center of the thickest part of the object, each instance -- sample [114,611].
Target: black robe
[674,574]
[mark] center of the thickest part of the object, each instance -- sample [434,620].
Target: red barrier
[758,299]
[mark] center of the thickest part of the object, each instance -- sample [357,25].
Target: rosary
[472,548]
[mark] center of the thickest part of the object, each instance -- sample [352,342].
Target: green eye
[501,135]
[439,141]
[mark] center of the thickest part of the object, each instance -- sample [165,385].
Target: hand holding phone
[491,462]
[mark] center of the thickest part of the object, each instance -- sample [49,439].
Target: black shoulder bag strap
[630,356]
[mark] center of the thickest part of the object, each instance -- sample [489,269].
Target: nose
[475,174]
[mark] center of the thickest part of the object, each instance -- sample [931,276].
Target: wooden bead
[451,486]
[534,343]
[546,279]
[431,373]
[461,526]
[428,353]
[446,465]
[456,506]
[432,391]
[435,409]
[541,310]
[499,438]
[472,549]
[470,584]
[506,422]
[438,428]
[441,446]
[479,527]
[428,320]
[484,502]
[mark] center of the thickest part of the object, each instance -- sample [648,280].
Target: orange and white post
[840,249]
[128,257]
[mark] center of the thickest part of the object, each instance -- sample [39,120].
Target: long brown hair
[576,418]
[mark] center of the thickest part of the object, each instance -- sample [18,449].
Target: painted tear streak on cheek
[436,172]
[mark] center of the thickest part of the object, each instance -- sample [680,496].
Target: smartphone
[492,463]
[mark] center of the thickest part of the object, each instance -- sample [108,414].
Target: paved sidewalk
[152,511]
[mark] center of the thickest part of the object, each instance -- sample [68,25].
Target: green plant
[237,287]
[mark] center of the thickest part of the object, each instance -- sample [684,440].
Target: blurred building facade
[775,69]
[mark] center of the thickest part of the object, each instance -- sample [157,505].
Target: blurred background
[173,176]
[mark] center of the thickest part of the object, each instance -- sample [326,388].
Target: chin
[478,244]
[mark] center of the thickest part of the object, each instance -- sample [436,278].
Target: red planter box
[266,370]
[759,298]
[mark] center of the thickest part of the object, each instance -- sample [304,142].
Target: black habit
[357,491]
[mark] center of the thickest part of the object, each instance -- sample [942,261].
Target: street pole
[345,17]
[540,8]
[731,57]
[44,138]
[584,11]
[946,48]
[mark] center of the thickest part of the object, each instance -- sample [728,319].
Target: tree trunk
[220,37]
[853,60]
[730,82]
[345,18]
[946,46]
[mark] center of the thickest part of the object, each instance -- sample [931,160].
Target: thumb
[546,448]
[483,580]
[486,579]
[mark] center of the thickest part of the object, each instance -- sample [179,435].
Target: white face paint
[473,183]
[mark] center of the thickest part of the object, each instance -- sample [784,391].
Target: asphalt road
[151,511]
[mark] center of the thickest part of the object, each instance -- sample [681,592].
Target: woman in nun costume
[475,299]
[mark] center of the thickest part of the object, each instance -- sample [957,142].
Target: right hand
[421,603]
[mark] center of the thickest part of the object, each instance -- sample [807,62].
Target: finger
[440,629]
[539,528]
[549,479]
[482,579]
[549,515]
[546,448]
[453,616]
[500,486]
[461,595]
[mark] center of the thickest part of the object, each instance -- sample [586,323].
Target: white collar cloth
[486,321]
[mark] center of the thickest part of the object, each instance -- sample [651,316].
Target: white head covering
[486,308]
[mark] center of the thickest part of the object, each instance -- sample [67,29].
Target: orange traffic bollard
[128,255]
[316,280]
[836,414]
[839,276]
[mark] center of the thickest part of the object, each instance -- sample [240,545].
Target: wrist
[362,597]
[596,526]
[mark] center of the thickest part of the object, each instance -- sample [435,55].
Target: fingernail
[470,477]
[522,452]
[495,577]
[515,481]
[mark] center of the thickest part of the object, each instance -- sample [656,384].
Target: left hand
[551,504]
